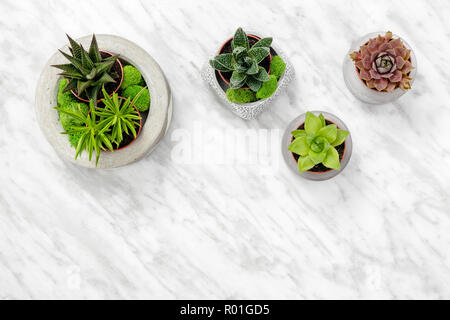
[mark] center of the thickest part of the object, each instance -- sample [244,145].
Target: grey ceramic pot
[357,86]
[292,163]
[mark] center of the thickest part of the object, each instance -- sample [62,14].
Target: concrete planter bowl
[153,130]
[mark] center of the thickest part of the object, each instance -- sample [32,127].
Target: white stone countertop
[211,214]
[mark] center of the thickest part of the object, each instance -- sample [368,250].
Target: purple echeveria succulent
[384,63]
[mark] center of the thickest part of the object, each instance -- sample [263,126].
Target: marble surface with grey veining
[214,212]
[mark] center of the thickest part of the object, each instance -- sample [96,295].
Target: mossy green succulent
[67,97]
[143,103]
[268,88]
[131,76]
[241,95]
[67,101]
[74,138]
[277,66]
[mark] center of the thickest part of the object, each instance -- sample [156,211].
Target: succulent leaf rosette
[315,144]
[87,71]
[384,63]
[244,61]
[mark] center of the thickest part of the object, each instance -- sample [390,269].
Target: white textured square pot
[248,111]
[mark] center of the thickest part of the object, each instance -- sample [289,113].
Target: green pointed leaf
[312,124]
[104,66]
[74,114]
[82,85]
[240,68]
[85,60]
[217,66]
[75,62]
[265,43]
[340,137]
[92,74]
[81,144]
[322,119]
[305,163]
[240,53]
[298,133]
[105,78]
[299,146]
[72,75]
[253,69]
[225,60]
[261,75]
[133,130]
[240,39]
[259,53]
[332,159]
[76,49]
[106,141]
[317,157]
[67,67]
[124,126]
[237,80]
[253,84]
[94,53]
[329,132]
[93,93]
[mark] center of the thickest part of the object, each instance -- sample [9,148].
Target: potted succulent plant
[380,69]
[244,64]
[246,71]
[103,101]
[89,70]
[317,145]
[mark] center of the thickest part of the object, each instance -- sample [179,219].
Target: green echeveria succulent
[268,88]
[143,102]
[87,70]
[244,61]
[277,66]
[316,143]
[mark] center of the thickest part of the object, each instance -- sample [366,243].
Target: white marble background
[165,228]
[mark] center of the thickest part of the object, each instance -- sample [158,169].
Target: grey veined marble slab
[214,212]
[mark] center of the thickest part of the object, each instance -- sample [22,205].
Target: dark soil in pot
[227,49]
[320,168]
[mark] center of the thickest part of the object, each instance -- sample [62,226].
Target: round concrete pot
[358,88]
[292,163]
[153,130]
